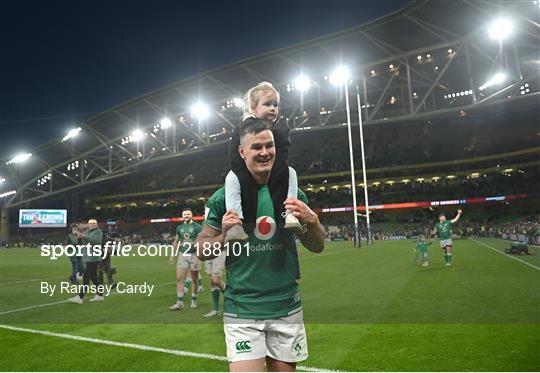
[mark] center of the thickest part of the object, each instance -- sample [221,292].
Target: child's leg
[233,197]
[293,184]
[291,222]
[233,201]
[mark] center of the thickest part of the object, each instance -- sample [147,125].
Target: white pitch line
[505,254]
[139,346]
[32,307]
[30,280]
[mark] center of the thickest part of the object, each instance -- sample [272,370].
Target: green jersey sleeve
[302,196]
[215,209]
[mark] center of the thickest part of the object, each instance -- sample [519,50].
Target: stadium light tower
[200,111]
[8,193]
[165,123]
[20,158]
[238,102]
[495,79]
[340,77]
[302,83]
[71,134]
[500,29]
[137,135]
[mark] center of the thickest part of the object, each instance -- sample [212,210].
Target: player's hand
[171,260]
[459,211]
[230,219]
[301,211]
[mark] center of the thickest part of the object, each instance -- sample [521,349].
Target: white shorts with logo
[445,243]
[216,266]
[188,262]
[282,339]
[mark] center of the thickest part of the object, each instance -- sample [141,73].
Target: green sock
[193,297]
[450,259]
[187,284]
[180,298]
[215,299]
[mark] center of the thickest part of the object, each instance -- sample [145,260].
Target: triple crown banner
[42,218]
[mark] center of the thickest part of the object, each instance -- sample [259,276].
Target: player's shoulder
[302,196]
[218,197]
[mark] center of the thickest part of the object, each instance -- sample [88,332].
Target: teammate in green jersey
[263,319]
[421,250]
[186,233]
[443,230]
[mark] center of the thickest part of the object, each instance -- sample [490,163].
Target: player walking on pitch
[421,250]
[443,230]
[263,319]
[186,233]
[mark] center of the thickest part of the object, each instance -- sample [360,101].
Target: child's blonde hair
[252,97]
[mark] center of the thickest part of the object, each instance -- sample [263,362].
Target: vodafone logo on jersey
[265,228]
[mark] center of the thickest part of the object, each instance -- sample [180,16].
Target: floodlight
[165,123]
[500,29]
[8,193]
[238,102]
[137,135]
[19,158]
[71,133]
[496,79]
[340,76]
[200,111]
[302,83]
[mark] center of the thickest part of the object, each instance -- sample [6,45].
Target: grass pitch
[371,308]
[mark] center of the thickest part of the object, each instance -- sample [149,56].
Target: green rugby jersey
[72,240]
[261,285]
[187,233]
[518,245]
[444,230]
[423,246]
[92,237]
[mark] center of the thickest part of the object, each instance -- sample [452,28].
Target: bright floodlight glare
[137,135]
[496,79]
[340,75]
[71,133]
[8,193]
[200,111]
[500,29]
[19,158]
[2,179]
[238,102]
[302,83]
[165,123]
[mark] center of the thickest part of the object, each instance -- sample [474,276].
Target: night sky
[63,61]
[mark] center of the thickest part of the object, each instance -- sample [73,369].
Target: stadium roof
[441,28]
